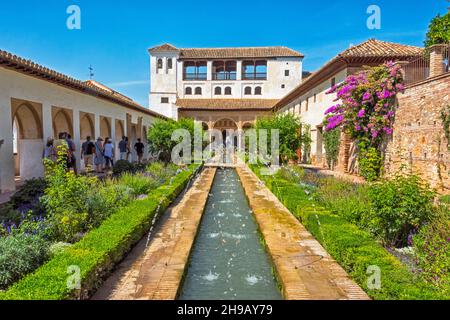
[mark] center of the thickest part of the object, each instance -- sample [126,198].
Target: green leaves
[289,132]
[438,30]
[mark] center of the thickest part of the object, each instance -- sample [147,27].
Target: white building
[208,74]
[37,103]
[309,99]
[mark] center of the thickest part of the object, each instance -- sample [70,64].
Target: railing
[254,76]
[224,76]
[433,62]
[195,76]
[416,70]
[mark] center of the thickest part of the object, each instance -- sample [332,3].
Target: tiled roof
[374,47]
[229,53]
[249,52]
[370,52]
[226,104]
[93,88]
[165,47]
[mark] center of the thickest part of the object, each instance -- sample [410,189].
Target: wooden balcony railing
[195,76]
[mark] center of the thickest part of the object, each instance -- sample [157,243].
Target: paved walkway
[305,270]
[155,273]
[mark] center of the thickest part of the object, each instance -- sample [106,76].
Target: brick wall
[419,142]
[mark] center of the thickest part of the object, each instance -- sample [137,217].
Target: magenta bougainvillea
[367,102]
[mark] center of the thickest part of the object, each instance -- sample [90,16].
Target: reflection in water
[228,261]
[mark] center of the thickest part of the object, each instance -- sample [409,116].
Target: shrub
[346,199]
[432,250]
[100,249]
[370,162]
[19,255]
[399,207]
[354,249]
[295,174]
[58,248]
[66,205]
[161,171]
[122,166]
[107,197]
[138,183]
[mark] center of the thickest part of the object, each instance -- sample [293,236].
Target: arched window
[247,90]
[198,91]
[258,91]
[188,91]
[159,63]
[228,91]
[217,90]
[169,63]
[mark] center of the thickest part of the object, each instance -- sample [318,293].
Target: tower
[163,79]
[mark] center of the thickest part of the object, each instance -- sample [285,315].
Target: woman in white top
[108,153]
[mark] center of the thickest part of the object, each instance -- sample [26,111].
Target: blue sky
[115,35]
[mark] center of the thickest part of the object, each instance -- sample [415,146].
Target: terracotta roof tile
[28,67]
[374,47]
[164,47]
[244,52]
[226,104]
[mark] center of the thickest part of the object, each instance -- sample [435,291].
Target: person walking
[123,148]
[99,158]
[87,152]
[50,150]
[109,154]
[139,147]
[72,150]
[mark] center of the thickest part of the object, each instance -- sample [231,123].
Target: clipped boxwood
[354,249]
[99,250]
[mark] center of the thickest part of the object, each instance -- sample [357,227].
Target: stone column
[77,136]
[209,70]
[437,66]
[47,121]
[97,126]
[239,70]
[7,169]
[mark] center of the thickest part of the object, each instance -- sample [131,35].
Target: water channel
[228,260]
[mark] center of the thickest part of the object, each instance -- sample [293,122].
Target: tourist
[72,159]
[139,147]
[50,151]
[98,156]
[87,152]
[109,154]
[123,148]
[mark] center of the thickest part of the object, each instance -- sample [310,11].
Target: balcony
[195,76]
[254,76]
[224,76]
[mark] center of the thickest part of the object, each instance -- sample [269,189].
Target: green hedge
[354,249]
[99,250]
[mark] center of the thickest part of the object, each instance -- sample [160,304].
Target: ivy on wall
[445,116]
[332,141]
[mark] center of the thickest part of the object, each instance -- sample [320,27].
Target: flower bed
[354,249]
[99,250]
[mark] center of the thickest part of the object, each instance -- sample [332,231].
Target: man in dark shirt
[87,152]
[123,148]
[139,147]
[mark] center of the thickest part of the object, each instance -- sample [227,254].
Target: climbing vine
[445,116]
[332,141]
[367,111]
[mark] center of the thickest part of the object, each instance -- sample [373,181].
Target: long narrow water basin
[228,260]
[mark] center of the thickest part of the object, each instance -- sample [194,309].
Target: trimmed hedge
[354,249]
[99,250]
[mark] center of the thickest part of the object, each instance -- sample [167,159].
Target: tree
[438,30]
[289,127]
[160,136]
